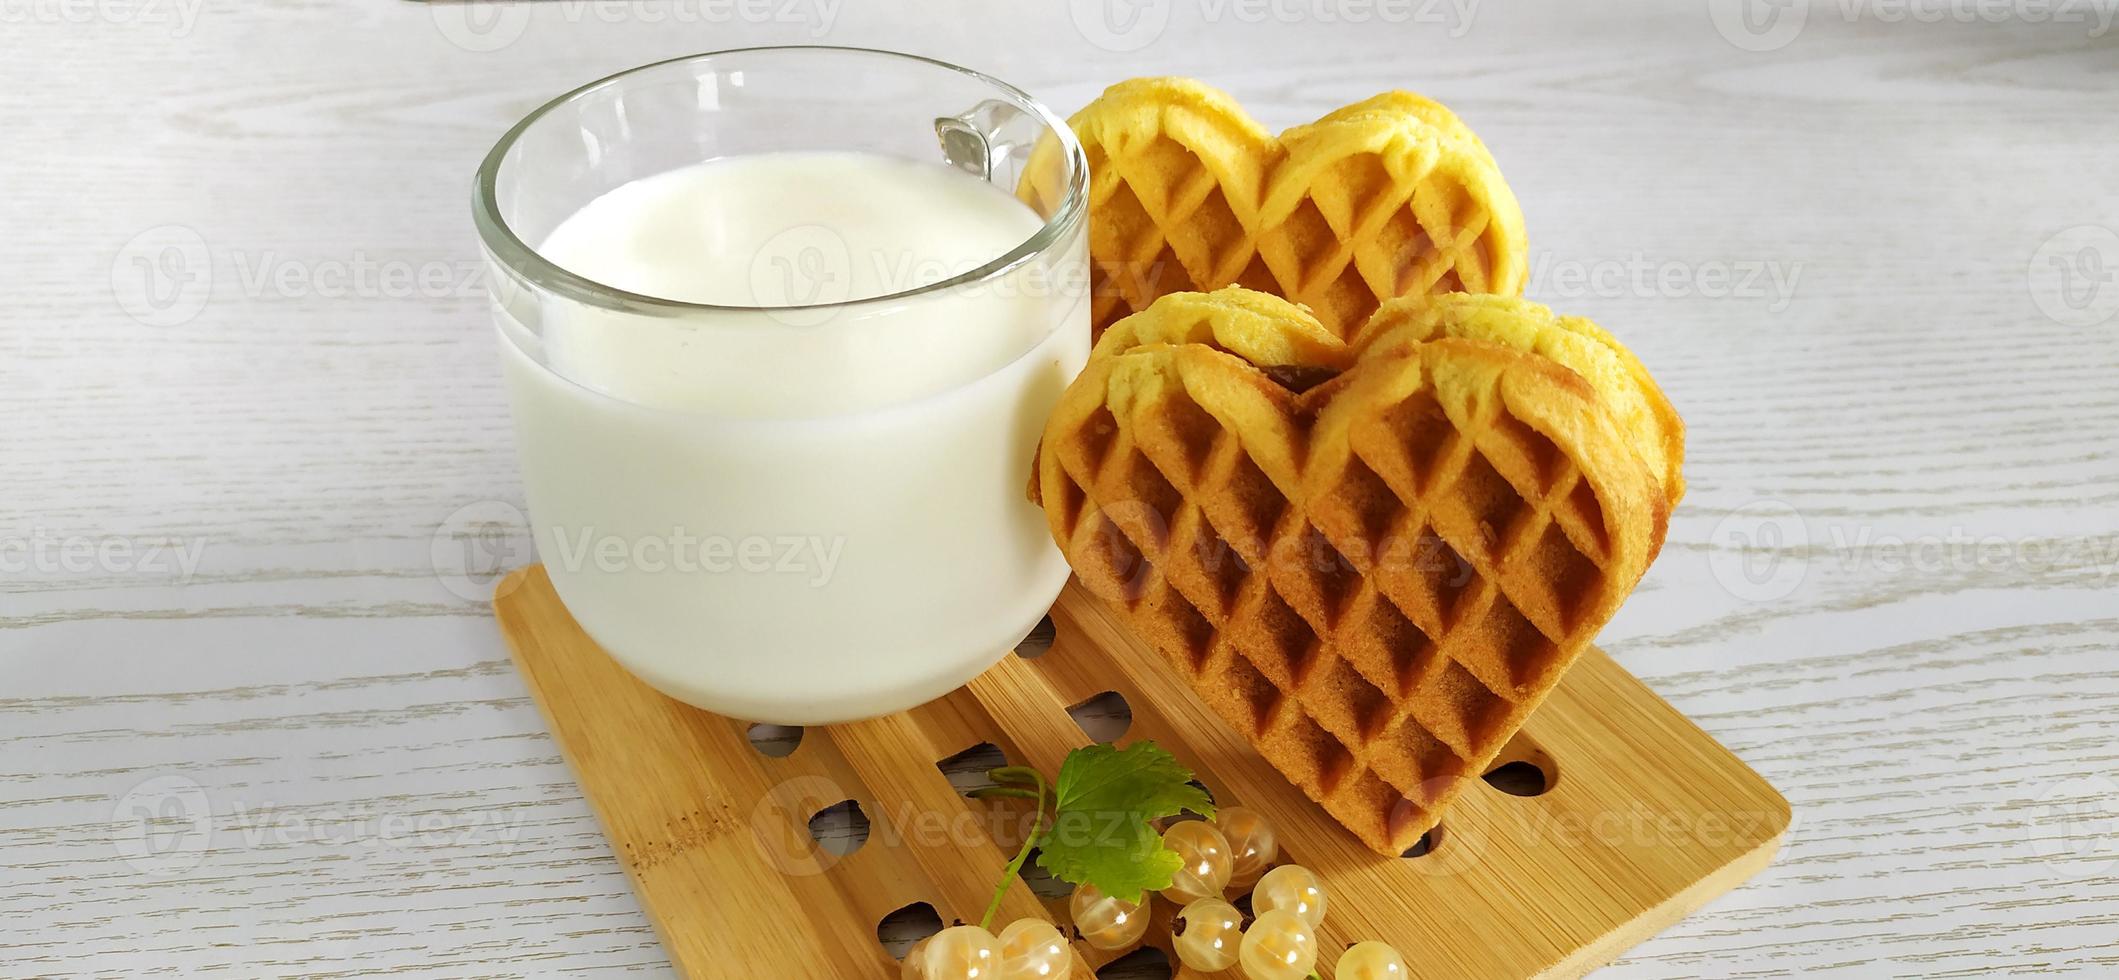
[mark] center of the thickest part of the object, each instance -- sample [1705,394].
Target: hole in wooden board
[1145,963]
[1104,718]
[1202,787]
[967,770]
[1426,845]
[1519,779]
[1521,768]
[775,741]
[1041,882]
[1007,818]
[840,828]
[1039,642]
[901,930]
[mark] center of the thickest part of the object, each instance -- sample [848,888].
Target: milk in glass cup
[780,329]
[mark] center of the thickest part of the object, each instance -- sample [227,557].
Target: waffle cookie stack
[1388,197]
[1371,556]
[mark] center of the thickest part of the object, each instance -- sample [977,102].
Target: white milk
[800,515]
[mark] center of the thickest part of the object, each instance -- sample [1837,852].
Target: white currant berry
[915,965]
[963,953]
[1294,888]
[1252,846]
[1278,946]
[1207,934]
[1371,960]
[1106,922]
[1206,868]
[1033,949]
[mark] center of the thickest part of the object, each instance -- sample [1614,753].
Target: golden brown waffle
[1374,567]
[1387,197]
[1635,401]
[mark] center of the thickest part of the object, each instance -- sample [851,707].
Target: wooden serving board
[1644,819]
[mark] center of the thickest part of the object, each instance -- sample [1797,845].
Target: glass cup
[810,508]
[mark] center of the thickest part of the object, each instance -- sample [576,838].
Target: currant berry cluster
[1028,949]
[1235,851]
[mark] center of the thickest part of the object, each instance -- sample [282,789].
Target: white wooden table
[248,392]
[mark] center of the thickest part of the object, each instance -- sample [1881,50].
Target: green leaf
[1140,778]
[1100,834]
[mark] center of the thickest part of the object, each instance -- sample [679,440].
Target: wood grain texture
[377,792]
[1643,818]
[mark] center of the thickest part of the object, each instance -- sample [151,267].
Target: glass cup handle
[979,140]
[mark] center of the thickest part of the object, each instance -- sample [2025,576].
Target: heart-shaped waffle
[1388,197]
[1371,561]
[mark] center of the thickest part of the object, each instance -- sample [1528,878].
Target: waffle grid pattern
[1384,198]
[1623,383]
[1422,591]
